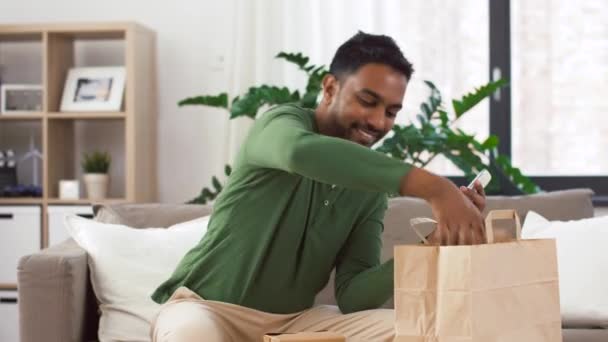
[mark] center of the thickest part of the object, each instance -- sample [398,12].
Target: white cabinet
[19,236]
[9,317]
[56,218]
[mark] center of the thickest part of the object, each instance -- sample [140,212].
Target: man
[307,195]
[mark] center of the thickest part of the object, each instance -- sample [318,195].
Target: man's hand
[477,195]
[459,220]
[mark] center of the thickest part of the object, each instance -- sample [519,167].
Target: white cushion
[582,264]
[127,265]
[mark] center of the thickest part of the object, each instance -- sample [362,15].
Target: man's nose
[376,120]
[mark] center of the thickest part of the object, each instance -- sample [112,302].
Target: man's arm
[362,282]
[285,141]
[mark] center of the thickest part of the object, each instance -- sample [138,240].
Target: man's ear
[330,88]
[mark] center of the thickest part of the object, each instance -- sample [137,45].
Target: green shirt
[297,204]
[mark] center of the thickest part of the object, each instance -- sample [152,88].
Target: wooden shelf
[8,286]
[130,135]
[56,201]
[86,115]
[22,116]
[17,35]
[20,200]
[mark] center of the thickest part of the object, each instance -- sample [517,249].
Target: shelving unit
[128,135]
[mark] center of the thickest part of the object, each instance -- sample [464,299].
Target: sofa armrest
[55,295]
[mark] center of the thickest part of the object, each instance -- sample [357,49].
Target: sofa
[56,302]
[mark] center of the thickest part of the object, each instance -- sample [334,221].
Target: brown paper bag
[494,292]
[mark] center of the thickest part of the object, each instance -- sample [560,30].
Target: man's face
[364,104]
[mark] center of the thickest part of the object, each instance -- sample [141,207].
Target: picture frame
[20,98]
[94,89]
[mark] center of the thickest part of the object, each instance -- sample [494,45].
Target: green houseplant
[95,167]
[432,133]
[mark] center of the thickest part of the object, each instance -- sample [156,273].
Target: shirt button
[333,186]
[326,203]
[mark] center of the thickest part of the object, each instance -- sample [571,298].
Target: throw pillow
[582,264]
[127,265]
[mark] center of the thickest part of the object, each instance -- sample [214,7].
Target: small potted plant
[95,167]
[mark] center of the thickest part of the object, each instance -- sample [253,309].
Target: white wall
[601,211]
[193,37]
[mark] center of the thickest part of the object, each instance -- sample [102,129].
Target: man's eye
[391,114]
[367,103]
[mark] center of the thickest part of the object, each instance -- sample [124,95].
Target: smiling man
[308,195]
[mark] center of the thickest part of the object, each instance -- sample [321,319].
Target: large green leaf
[315,77]
[216,184]
[490,143]
[470,100]
[250,103]
[207,194]
[220,100]
[514,174]
[297,58]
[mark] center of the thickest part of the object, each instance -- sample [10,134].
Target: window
[559,68]
[551,121]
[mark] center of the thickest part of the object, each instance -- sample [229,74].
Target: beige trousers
[188,317]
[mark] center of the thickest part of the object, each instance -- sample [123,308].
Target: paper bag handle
[492,215]
[420,220]
[507,214]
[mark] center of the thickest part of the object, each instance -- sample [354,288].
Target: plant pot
[97,185]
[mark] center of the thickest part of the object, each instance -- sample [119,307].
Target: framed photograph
[20,98]
[97,89]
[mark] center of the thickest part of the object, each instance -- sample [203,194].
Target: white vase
[97,185]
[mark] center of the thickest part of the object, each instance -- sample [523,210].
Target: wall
[601,211]
[193,38]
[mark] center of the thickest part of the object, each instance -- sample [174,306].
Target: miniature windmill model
[36,157]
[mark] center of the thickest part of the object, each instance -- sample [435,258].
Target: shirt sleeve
[286,141]
[362,282]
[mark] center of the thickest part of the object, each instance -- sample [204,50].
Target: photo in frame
[20,98]
[94,89]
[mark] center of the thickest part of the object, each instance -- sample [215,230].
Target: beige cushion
[558,205]
[585,335]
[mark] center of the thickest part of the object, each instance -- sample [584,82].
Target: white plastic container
[56,214]
[19,236]
[9,317]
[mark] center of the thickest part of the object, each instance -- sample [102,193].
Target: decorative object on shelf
[69,189]
[7,159]
[35,156]
[9,187]
[21,190]
[20,98]
[8,170]
[94,89]
[95,167]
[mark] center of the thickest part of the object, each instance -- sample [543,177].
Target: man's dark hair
[364,48]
